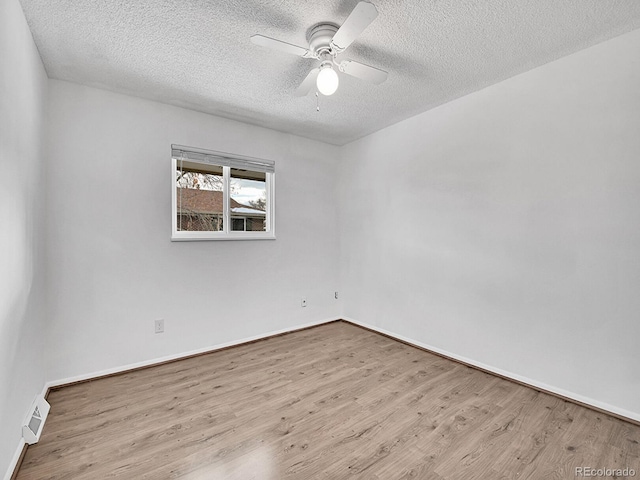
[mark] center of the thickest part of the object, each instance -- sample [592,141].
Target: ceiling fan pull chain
[317,102]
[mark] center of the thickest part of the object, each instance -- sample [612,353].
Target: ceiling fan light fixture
[327,81]
[327,41]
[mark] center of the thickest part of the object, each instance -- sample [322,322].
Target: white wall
[112,267]
[504,227]
[22,103]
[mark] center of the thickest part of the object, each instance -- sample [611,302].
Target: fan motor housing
[320,37]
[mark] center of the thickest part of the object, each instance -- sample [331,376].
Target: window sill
[206,236]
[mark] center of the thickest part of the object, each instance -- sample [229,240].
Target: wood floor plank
[331,402]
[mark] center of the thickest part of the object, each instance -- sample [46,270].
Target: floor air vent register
[34,422]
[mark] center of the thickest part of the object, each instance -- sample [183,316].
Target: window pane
[248,200]
[199,197]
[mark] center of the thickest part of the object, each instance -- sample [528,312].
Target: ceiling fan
[326,41]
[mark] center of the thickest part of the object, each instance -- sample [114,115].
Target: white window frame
[227,161]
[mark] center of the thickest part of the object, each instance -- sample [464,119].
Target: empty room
[341,239]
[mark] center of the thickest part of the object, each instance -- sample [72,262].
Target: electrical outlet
[159,324]
[304,301]
[335,295]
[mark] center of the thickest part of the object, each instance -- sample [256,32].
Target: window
[218,196]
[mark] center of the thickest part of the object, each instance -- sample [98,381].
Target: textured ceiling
[197,54]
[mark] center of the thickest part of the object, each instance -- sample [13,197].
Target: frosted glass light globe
[327,81]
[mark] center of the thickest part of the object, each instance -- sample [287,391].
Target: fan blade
[364,72]
[307,83]
[354,25]
[278,45]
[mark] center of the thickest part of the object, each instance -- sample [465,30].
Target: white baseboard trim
[178,356]
[618,412]
[14,460]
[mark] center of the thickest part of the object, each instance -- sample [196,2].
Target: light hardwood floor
[331,402]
